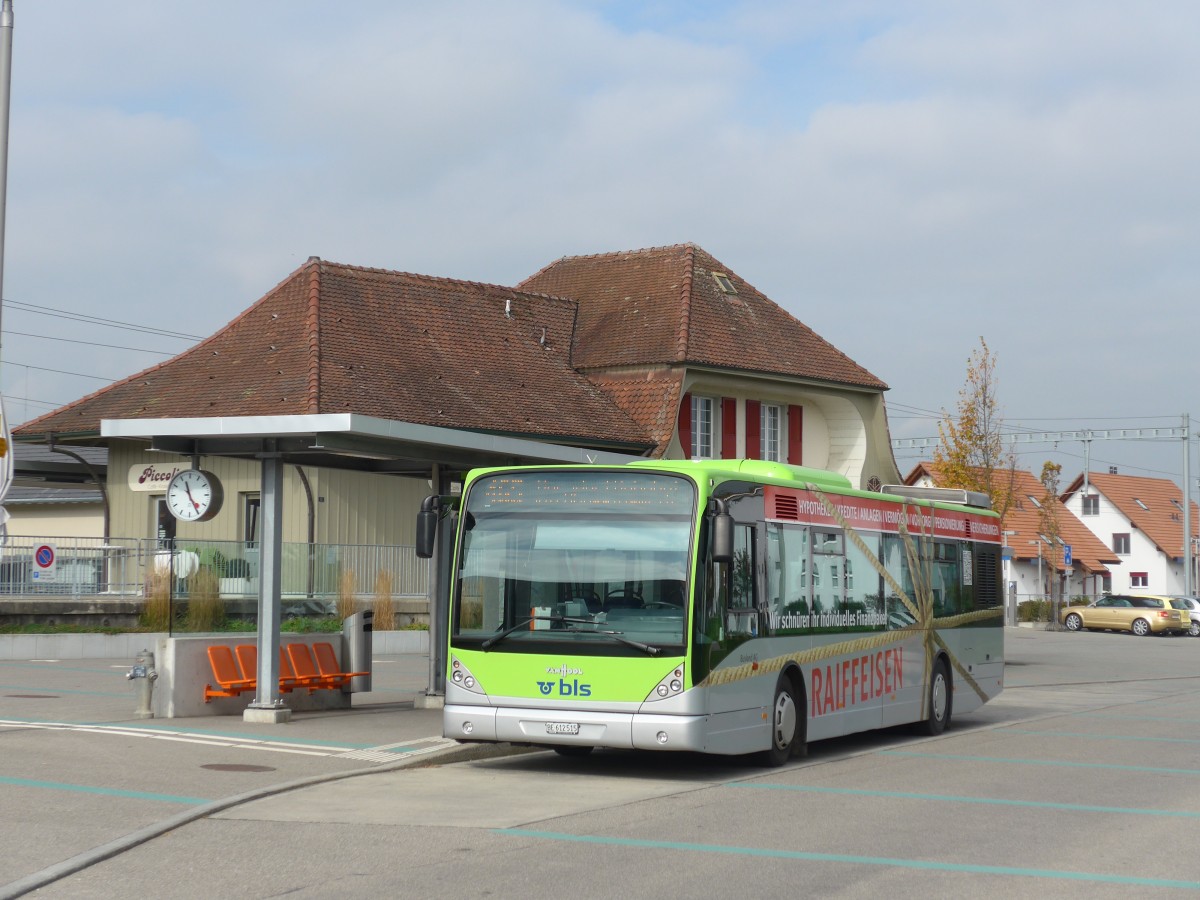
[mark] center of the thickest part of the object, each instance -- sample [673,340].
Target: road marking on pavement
[921,864]
[950,798]
[1107,737]
[107,792]
[382,753]
[390,752]
[1066,763]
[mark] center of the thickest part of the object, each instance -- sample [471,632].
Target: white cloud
[903,176]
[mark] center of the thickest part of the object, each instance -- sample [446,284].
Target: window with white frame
[769,441]
[1139,579]
[703,427]
[1091,504]
[1120,543]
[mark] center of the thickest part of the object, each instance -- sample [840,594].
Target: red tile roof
[650,398]
[1159,515]
[662,306]
[333,338]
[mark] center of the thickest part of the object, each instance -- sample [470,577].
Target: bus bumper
[626,731]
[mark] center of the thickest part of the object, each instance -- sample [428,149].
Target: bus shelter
[338,441]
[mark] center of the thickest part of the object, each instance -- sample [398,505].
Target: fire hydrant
[143,668]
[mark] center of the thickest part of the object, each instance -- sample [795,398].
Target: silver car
[1192,606]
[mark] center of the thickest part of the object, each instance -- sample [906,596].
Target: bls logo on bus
[566,688]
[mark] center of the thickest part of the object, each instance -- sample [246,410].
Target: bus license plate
[562,728]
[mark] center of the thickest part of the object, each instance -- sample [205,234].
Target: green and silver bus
[718,606]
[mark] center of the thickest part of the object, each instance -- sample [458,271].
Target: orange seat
[226,673]
[306,671]
[247,656]
[328,666]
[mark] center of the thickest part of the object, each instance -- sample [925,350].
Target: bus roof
[785,475]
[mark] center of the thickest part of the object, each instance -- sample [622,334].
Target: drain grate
[237,767]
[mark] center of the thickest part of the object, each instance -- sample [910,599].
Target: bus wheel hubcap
[785,720]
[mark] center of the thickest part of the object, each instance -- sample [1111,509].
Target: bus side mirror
[427,520]
[722,534]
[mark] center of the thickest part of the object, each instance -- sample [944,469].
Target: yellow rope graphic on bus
[924,624]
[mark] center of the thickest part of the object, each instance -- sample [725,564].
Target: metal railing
[129,567]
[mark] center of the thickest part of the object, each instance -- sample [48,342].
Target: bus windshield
[575,561]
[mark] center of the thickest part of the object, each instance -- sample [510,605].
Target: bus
[715,606]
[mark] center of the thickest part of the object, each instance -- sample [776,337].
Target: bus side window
[742,616]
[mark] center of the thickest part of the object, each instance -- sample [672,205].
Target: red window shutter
[753,429]
[685,425]
[728,428]
[795,434]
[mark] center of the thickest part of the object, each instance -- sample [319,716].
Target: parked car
[1193,608]
[1140,613]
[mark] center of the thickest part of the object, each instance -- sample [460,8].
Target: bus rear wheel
[941,700]
[787,726]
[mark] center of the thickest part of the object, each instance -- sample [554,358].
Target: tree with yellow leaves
[971,453]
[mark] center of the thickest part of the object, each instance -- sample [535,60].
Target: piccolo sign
[151,476]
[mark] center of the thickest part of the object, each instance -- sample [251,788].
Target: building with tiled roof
[332,338]
[1032,560]
[1141,521]
[673,326]
[663,352]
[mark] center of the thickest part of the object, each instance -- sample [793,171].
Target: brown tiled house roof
[334,338]
[663,306]
[1158,515]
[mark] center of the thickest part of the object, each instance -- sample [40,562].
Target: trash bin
[356,650]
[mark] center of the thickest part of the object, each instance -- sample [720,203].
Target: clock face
[194,495]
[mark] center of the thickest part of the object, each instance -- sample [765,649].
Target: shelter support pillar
[268,706]
[439,603]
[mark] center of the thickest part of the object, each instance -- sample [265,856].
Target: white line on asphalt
[378,754]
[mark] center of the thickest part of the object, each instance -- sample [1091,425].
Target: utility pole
[6,36]
[6,451]
[1187,505]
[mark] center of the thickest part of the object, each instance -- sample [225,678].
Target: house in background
[56,495]
[1140,520]
[712,368]
[1030,564]
[664,352]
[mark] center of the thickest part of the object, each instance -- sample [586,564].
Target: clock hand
[188,488]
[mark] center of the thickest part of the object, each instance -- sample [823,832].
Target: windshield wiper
[571,620]
[497,638]
[648,649]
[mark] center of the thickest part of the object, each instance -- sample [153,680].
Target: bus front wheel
[787,726]
[941,700]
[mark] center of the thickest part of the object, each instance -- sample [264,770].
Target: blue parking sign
[1066,554]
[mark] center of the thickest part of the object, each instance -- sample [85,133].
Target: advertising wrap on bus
[716,606]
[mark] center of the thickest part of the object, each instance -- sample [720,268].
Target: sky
[906,178]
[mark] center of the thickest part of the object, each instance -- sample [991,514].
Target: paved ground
[69,740]
[1050,790]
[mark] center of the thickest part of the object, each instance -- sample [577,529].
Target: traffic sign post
[45,562]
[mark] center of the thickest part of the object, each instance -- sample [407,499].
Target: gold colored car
[1140,613]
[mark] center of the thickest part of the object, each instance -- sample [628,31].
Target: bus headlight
[462,677]
[670,686]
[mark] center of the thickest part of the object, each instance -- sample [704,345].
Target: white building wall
[1164,575]
[56,520]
